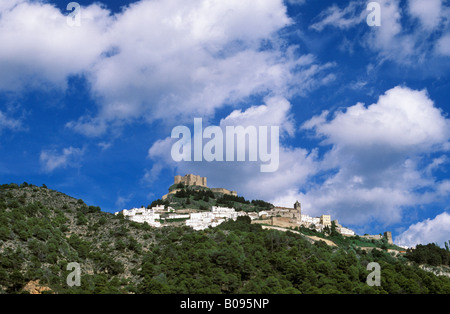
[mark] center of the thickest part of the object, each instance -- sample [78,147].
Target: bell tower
[298,207]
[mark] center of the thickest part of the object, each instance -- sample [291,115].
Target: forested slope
[42,230]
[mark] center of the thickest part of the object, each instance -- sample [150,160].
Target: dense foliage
[239,257]
[199,197]
[430,254]
[41,231]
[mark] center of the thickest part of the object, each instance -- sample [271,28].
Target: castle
[195,180]
[286,217]
[191,179]
[293,217]
[387,235]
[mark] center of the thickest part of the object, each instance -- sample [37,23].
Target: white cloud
[160,155]
[372,170]
[343,18]
[443,45]
[275,112]
[39,49]
[389,39]
[296,2]
[371,173]
[436,230]
[52,160]
[399,38]
[402,119]
[88,126]
[8,123]
[187,59]
[246,176]
[166,60]
[122,201]
[429,12]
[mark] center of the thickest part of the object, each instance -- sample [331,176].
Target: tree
[4,233]
[81,219]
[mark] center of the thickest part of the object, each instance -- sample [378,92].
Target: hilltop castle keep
[191,179]
[194,180]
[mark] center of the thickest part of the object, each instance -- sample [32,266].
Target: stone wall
[224,191]
[387,235]
[372,236]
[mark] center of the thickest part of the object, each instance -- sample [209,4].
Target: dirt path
[314,238]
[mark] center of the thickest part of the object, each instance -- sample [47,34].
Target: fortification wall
[387,235]
[224,191]
[284,222]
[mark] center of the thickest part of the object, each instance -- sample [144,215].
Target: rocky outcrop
[33,287]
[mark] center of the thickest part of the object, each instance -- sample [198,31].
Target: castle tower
[388,236]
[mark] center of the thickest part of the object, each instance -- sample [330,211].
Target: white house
[142,215]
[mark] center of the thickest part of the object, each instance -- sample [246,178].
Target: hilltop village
[168,212]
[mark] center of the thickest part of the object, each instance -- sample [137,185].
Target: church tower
[298,207]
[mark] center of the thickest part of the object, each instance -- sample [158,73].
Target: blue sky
[362,110]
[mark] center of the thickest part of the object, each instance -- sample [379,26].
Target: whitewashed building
[345,231]
[224,212]
[217,215]
[200,221]
[310,220]
[142,215]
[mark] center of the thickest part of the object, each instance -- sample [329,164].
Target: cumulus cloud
[402,119]
[275,112]
[246,176]
[166,60]
[371,169]
[52,159]
[376,161]
[188,58]
[434,230]
[39,49]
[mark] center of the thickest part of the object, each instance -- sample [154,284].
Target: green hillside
[42,230]
[202,198]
